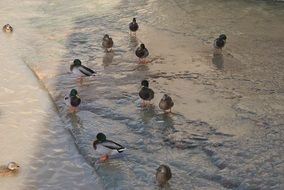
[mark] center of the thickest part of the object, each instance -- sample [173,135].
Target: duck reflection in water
[107,59]
[133,42]
[218,60]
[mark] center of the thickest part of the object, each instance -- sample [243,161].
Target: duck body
[73,100]
[133,26]
[80,70]
[220,42]
[11,169]
[142,52]
[146,93]
[106,147]
[163,175]
[7,28]
[166,103]
[107,42]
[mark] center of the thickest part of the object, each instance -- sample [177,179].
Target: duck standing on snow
[7,28]
[163,175]
[133,27]
[146,93]
[106,147]
[107,43]
[142,52]
[73,100]
[166,103]
[80,70]
[220,42]
[9,170]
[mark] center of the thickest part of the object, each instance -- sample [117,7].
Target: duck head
[13,166]
[101,137]
[106,36]
[134,20]
[165,97]
[73,93]
[7,28]
[142,46]
[145,83]
[77,62]
[223,37]
[163,169]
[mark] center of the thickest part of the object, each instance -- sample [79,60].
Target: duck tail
[121,150]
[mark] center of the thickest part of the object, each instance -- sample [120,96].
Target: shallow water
[226,129]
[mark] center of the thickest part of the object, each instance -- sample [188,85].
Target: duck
[133,27]
[146,93]
[7,28]
[107,42]
[80,70]
[220,42]
[163,175]
[11,169]
[166,103]
[73,100]
[106,147]
[142,52]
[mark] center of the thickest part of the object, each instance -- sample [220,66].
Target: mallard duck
[163,175]
[142,53]
[7,28]
[166,103]
[220,42]
[9,170]
[73,100]
[80,70]
[106,147]
[146,93]
[107,42]
[133,26]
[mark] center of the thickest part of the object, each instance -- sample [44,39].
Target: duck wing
[219,43]
[139,52]
[151,93]
[75,101]
[133,26]
[144,93]
[170,102]
[86,71]
[113,146]
[145,52]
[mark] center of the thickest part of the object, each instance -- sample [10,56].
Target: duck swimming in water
[163,175]
[7,28]
[142,52]
[106,147]
[80,70]
[146,93]
[73,100]
[9,170]
[107,42]
[133,27]
[166,103]
[220,42]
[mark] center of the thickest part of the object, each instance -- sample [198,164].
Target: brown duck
[11,169]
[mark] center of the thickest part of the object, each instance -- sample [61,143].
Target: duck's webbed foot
[104,157]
